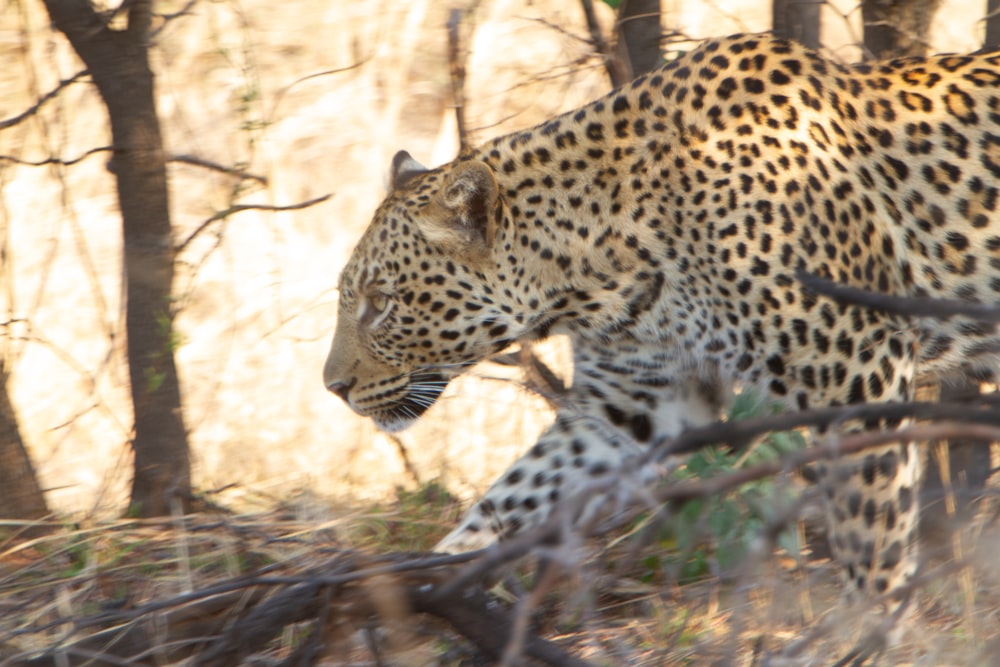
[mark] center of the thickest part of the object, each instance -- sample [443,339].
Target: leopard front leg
[572,452]
[872,517]
[621,400]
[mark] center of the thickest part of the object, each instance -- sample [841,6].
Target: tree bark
[798,20]
[21,496]
[118,62]
[895,28]
[639,32]
[992,41]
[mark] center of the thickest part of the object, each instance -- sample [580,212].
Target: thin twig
[520,634]
[279,96]
[167,18]
[193,160]
[559,29]
[34,108]
[56,160]
[404,455]
[238,208]
[196,161]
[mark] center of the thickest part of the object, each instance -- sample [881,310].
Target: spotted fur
[661,227]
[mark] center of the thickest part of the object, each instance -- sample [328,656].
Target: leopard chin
[422,392]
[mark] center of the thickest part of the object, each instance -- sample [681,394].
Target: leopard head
[418,298]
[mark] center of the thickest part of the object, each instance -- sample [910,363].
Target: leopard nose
[341,389]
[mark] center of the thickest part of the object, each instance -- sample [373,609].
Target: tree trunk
[118,62]
[20,495]
[895,28]
[798,20]
[992,41]
[639,32]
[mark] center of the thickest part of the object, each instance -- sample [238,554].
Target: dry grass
[153,592]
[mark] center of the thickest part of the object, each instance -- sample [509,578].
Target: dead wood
[229,622]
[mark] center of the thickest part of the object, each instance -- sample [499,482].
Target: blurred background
[267,106]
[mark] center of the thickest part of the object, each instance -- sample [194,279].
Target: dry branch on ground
[319,599]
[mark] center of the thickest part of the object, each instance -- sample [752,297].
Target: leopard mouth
[422,392]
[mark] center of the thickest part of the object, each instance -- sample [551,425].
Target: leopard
[662,229]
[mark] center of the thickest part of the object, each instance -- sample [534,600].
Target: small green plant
[154,379]
[712,535]
[77,553]
[165,330]
[172,342]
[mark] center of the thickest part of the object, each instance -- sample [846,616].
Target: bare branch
[34,108]
[279,96]
[898,305]
[559,29]
[847,444]
[738,432]
[57,160]
[238,208]
[196,161]
[193,160]
[167,18]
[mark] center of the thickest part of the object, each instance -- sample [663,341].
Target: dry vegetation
[314,98]
[281,589]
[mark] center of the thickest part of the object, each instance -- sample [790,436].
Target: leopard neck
[575,216]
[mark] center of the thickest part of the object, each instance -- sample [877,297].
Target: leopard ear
[469,198]
[404,168]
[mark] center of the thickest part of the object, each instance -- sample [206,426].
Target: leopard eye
[379,301]
[375,307]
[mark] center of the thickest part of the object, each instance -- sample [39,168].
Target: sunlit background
[314,97]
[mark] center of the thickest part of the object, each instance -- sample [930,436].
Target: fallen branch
[478,617]
[224,628]
[225,623]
